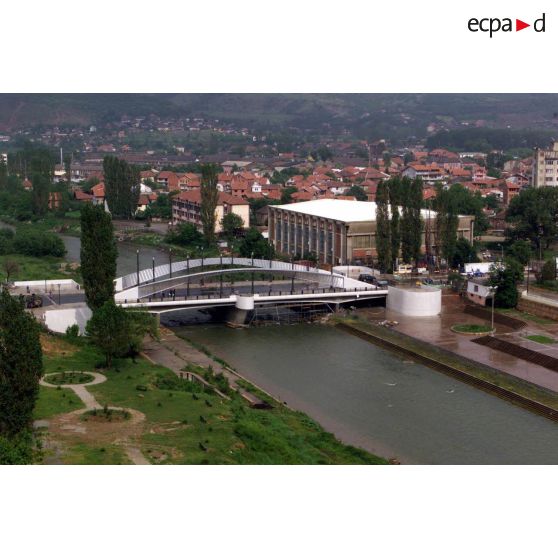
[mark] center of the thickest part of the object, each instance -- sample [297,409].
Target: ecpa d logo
[493,25]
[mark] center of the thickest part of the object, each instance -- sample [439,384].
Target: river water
[374,399]
[126,262]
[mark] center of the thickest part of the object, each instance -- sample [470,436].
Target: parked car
[372,280]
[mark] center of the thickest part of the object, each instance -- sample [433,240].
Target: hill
[363,115]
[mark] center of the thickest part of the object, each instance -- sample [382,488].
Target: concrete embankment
[397,342]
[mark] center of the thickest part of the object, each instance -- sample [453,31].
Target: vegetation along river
[372,398]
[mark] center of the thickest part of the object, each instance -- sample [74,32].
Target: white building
[479,292]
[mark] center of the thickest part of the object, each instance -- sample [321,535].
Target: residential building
[428,173]
[545,166]
[186,208]
[336,231]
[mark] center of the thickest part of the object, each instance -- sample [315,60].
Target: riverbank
[511,388]
[185,422]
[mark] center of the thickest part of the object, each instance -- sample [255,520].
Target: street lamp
[252,255]
[492,290]
[137,268]
[170,263]
[153,270]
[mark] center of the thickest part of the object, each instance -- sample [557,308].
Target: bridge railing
[166,270]
[216,294]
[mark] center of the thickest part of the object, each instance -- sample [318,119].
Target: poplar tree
[447,221]
[394,189]
[383,237]
[122,186]
[209,200]
[411,222]
[40,194]
[21,365]
[98,255]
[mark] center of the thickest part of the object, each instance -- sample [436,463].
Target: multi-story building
[429,173]
[338,231]
[186,208]
[545,166]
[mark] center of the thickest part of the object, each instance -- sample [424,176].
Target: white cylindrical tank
[245,302]
[415,301]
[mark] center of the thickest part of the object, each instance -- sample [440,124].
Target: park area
[142,413]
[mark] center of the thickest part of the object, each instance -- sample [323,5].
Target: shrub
[72,331]
[35,243]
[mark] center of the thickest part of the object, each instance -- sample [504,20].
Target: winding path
[133,452]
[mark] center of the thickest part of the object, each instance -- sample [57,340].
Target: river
[127,256]
[126,262]
[372,398]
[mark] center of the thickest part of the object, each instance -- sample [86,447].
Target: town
[143,255]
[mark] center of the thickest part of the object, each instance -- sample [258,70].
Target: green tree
[287,194]
[533,215]
[358,192]
[21,365]
[209,200]
[383,234]
[109,330]
[31,242]
[3,174]
[232,224]
[548,272]
[254,243]
[122,186]
[394,189]
[117,332]
[521,251]
[447,222]
[464,253]
[40,194]
[98,255]
[411,222]
[506,279]
[184,234]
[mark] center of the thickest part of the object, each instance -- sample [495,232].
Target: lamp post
[137,268]
[170,263]
[252,255]
[201,248]
[493,292]
[153,270]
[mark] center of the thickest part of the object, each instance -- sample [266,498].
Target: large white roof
[348,211]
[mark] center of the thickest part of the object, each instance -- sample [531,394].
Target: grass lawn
[525,316]
[54,401]
[471,328]
[33,269]
[85,454]
[541,339]
[186,425]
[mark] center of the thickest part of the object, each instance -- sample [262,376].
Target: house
[81,196]
[168,180]
[429,173]
[186,208]
[479,292]
[98,192]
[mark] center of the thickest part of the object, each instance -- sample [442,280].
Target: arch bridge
[199,283]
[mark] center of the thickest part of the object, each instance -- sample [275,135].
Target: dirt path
[71,428]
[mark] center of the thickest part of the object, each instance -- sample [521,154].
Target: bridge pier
[238,315]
